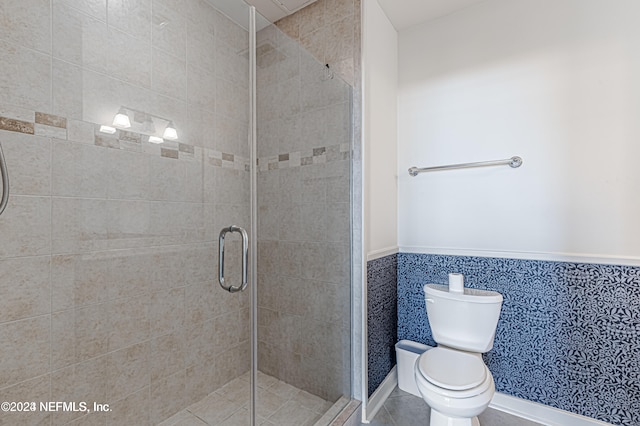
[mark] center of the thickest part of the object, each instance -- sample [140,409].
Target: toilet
[452,378]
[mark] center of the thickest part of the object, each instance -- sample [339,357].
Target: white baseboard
[380,395]
[540,413]
[519,407]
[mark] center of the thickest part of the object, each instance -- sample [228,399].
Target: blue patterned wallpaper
[382,315]
[568,335]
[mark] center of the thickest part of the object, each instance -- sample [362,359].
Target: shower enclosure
[134,132]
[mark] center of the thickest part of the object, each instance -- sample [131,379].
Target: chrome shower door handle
[245,256]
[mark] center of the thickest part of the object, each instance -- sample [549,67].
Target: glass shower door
[125,127]
[303,234]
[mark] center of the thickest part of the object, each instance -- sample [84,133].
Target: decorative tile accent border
[16,119]
[36,123]
[382,317]
[227,161]
[51,120]
[325,154]
[16,125]
[568,335]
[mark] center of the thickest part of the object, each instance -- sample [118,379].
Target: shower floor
[278,404]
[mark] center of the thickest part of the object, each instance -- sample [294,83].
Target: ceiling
[278,9]
[402,13]
[407,13]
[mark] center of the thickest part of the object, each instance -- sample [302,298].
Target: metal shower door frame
[253,203]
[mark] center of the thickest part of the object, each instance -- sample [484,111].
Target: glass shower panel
[304,234]
[108,245]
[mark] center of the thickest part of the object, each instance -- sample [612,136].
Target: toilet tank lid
[471,295]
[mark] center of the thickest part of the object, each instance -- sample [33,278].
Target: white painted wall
[380,57]
[556,82]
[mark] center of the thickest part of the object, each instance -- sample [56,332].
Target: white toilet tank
[465,321]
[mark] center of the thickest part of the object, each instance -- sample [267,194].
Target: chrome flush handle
[245,256]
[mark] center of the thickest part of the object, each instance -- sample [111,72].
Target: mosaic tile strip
[320,155]
[13,125]
[227,161]
[42,124]
[169,153]
[15,119]
[568,334]
[381,318]
[51,120]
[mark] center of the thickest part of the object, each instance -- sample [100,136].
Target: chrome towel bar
[513,162]
[5,182]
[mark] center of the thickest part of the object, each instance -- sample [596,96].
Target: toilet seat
[453,373]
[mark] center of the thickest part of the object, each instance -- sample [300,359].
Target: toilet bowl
[455,384]
[452,378]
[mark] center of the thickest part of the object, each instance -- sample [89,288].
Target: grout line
[152,71]
[50,142]
[393,420]
[50,251]
[51,81]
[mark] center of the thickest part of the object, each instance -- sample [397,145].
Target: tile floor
[278,404]
[404,409]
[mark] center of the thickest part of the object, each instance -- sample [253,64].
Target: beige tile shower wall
[330,31]
[304,133]
[108,246]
